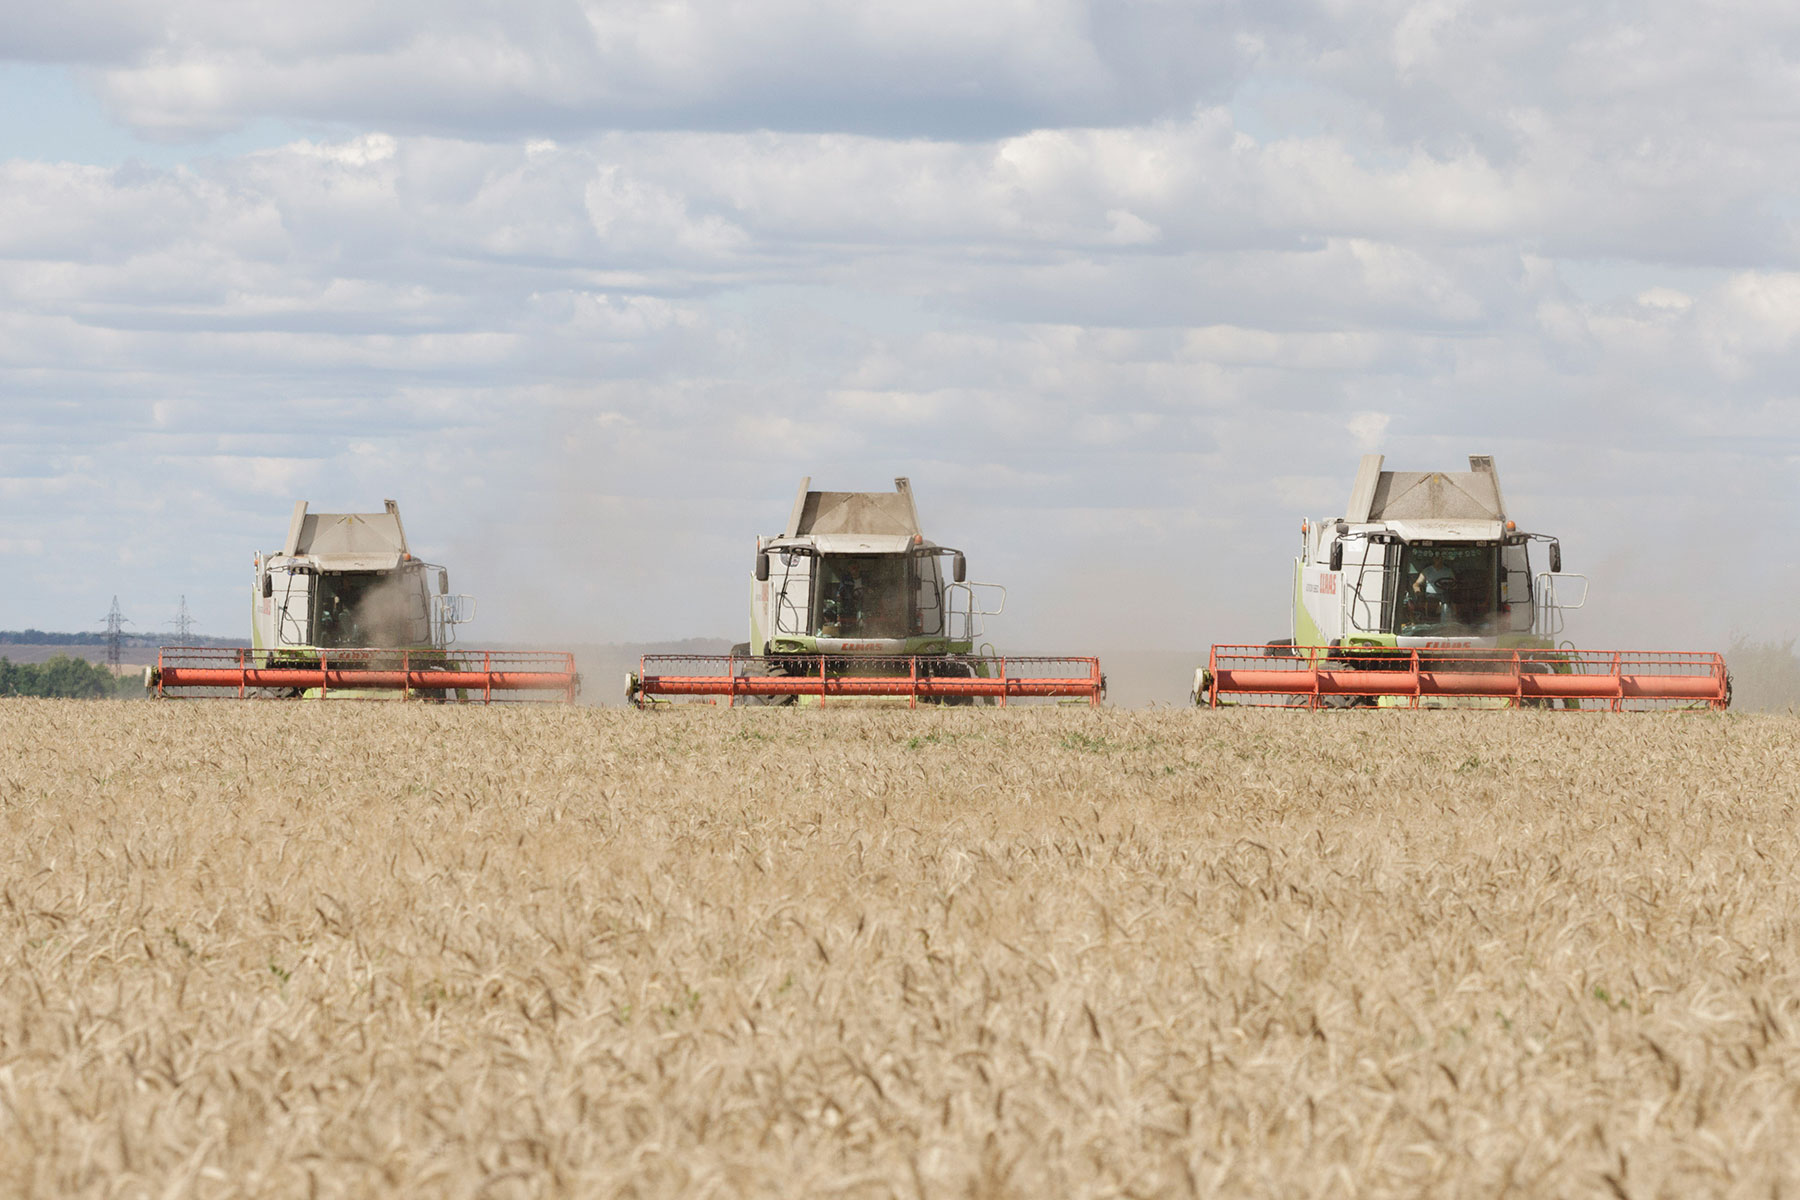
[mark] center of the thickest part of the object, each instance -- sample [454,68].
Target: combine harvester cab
[1425,595]
[851,600]
[345,611]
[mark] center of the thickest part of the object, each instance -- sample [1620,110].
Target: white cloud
[196,66]
[362,151]
[1665,299]
[589,287]
[1368,430]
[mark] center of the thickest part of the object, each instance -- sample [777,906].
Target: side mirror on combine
[762,567]
[959,567]
[268,586]
[1337,555]
[443,583]
[1556,558]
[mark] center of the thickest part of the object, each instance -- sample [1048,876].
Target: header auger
[346,611]
[851,601]
[1424,595]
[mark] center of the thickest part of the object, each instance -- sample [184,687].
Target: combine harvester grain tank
[1425,594]
[852,600]
[345,611]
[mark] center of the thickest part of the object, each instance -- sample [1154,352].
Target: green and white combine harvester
[346,611]
[1424,594]
[851,600]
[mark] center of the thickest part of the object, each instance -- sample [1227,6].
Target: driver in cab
[842,611]
[337,623]
[1435,579]
[1428,600]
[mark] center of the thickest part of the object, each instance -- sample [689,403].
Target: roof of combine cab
[348,541]
[845,522]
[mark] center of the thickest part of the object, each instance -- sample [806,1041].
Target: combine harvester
[852,601]
[345,611]
[1423,596]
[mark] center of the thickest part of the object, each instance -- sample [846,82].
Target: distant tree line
[60,677]
[40,637]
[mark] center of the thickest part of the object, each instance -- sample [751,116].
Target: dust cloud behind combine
[986,954]
[1765,676]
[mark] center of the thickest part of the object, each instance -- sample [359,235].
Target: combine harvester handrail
[1571,680]
[455,674]
[931,678]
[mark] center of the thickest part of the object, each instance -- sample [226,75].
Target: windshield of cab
[371,608]
[1448,589]
[865,596]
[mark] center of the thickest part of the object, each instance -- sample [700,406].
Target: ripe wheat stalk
[346,950]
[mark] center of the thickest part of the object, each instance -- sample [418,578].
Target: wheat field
[265,949]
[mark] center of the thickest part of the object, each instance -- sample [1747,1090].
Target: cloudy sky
[1125,288]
